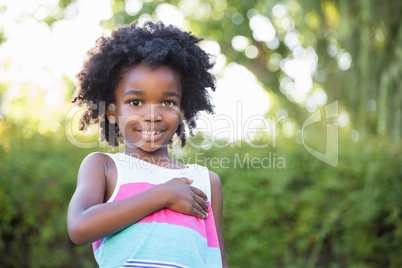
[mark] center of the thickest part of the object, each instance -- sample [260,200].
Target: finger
[198,211]
[199,193]
[186,180]
[202,203]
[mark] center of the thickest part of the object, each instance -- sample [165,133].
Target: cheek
[175,118]
[130,122]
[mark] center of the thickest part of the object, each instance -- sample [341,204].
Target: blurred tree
[358,44]
[308,53]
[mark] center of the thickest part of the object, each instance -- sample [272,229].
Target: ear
[110,113]
[182,112]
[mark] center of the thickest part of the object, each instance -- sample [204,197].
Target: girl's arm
[89,219]
[217,204]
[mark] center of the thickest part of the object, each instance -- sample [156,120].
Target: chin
[145,147]
[150,149]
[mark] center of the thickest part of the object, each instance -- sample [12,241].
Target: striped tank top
[165,238]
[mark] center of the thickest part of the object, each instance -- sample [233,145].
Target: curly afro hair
[152,45]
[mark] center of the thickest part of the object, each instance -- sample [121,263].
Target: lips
[150,133]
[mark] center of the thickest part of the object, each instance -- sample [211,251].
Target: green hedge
[37,177]
[314,215]
[306,214]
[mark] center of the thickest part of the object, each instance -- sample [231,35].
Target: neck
[159,157]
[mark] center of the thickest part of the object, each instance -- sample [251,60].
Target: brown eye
[135,103]
[168,103]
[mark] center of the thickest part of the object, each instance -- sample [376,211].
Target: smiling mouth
[150,133]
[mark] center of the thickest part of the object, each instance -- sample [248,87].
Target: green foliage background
[307,214]
[303,214]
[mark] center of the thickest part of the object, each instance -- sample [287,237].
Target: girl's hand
[184,198]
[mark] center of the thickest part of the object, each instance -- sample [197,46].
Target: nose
[152,113]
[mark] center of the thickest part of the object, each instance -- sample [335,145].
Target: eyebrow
[171,94]
[139,92]
[133,92]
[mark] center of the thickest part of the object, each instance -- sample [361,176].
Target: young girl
[141,208]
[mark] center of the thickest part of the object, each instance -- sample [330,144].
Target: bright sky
[40,56]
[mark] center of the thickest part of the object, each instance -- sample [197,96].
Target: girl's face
[147,108]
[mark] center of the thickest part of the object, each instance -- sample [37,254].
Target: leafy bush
[37,179]
[302,214]
[310,214]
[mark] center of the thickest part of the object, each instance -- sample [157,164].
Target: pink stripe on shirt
[172,217]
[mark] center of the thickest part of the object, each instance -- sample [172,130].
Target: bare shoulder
[94,172]
[100,169]
[96,160]
[96,164]
[214,179]
[92,182]
[216,188]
